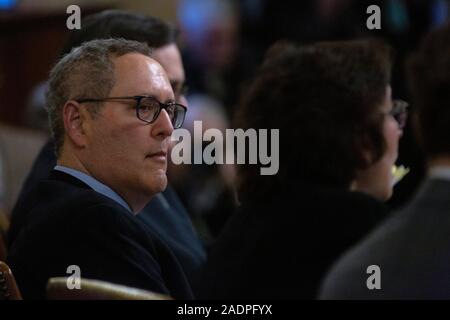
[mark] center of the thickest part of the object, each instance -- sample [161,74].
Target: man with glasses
[148,108]
[164,215]
[112,111]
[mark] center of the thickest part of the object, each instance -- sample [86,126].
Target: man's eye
[170,110]
[146,107]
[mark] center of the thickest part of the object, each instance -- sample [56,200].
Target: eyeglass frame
[138,100]
[399,108]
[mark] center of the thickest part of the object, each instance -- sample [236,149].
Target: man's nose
[162,127]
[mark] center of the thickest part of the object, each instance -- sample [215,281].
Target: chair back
[58,289]
[8,285]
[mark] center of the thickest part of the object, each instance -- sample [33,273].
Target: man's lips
[160,155]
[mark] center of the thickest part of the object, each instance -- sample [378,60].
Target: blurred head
[210,29]
[161,36]
[377,179]
[428,71]
[169,58]
[331,102]
[106,139]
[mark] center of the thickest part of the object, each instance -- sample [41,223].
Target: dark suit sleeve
[112,247]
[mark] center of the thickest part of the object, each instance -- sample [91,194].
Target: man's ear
[74,123]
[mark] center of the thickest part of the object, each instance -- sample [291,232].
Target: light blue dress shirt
[94,184]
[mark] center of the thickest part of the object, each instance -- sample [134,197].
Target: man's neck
[70,161]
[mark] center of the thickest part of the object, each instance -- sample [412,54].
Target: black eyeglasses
[148,108]
[400,112]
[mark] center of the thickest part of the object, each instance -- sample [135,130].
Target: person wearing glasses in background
[112,111]
[411,250]
[164,215]
[339,135]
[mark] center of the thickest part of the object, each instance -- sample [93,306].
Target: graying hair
[86,72]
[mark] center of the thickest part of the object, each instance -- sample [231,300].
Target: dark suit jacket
[412,250]
[68,223]
[280,246]
[165,216]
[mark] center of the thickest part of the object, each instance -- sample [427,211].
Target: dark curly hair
[429,78]
[324,98]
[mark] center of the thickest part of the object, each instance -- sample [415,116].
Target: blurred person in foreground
[411,249]
[339,136]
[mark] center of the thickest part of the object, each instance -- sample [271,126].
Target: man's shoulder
[70,195]
[74,217]
[66,200]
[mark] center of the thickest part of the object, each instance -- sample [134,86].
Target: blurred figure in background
[18,149]
[211,49]
[216,71]
[206,190]
[411,249]
[338,131]
[36,116]
[404,22]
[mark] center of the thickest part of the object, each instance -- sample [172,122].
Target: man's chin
[158,183]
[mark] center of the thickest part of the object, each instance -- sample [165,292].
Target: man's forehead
[137,74]
[139,66]
[133,60]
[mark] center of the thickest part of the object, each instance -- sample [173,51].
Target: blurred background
[222,43]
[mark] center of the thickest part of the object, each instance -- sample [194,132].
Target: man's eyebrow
[168,100]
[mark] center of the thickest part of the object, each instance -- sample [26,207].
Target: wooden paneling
[29,46]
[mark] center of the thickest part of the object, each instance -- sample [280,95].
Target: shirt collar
[94,184]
